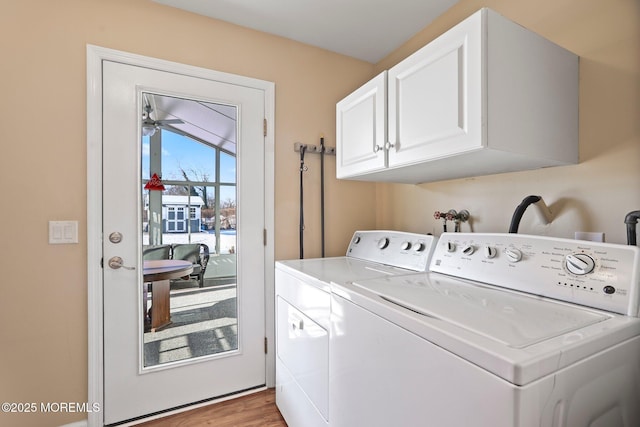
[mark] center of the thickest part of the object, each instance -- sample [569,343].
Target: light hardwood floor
[255,410]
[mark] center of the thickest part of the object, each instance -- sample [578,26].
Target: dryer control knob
[418,247]
[405,246]
[451,247]
[468,250]
[383,243]
[513,255]
[490,252]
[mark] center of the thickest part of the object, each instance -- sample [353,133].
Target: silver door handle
[116,262]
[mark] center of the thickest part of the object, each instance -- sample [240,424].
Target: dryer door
[303,348]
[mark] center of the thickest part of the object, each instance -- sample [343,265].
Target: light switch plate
[63,232]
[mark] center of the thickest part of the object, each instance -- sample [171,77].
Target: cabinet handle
[389,146]
[299,325]
[377,148]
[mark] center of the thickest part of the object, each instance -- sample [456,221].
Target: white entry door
[132,388]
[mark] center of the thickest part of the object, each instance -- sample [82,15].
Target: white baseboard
[82,423]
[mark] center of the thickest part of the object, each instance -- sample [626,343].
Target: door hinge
[264,237]
[264,127]
[265,345]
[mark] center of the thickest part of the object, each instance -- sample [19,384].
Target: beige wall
[43,309]
[594,195]
[43,303]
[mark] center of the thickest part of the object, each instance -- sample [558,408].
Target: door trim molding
[95,56]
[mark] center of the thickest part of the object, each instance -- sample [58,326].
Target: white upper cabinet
[361,123]
[435,98]
[488,96]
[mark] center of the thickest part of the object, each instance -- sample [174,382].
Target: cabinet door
[361,124]
[435,97]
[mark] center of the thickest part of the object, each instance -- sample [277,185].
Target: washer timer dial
[579,264]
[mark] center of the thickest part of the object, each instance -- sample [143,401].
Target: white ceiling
[214,124]
[363,29]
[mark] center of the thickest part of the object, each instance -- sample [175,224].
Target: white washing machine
[505,330]
[303,314]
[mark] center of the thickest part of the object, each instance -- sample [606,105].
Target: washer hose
[517,215]
[631,220]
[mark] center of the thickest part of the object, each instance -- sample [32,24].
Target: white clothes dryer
[303,310]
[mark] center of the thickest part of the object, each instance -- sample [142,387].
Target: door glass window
[188,214]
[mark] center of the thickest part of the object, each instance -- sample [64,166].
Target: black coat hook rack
[313,149]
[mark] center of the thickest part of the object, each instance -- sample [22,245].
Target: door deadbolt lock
[116,262]
[115,237]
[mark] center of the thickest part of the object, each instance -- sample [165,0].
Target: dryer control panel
[395,248]
[594,274]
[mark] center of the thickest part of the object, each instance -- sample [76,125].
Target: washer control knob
[609,290]
[579,264]
[356,240]
[513,255]
[405,246]
[383,243]
[468,250]
[490,252]
[451,247]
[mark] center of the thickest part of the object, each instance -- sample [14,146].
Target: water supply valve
[452,215]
